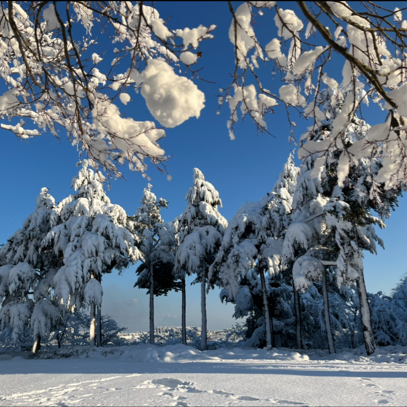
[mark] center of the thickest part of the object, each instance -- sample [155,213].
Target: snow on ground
[178,375]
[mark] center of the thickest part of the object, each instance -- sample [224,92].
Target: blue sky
[242,170]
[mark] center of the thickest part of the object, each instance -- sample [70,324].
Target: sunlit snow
[179,375]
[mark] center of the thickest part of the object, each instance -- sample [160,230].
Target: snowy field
[178,375]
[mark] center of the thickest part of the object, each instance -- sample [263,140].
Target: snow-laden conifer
[157,244]
[148,215]
[309,244]
[399,299]
[332,211]
[200,230]
[388,324]
[253,239]
[27,272]
[93,237]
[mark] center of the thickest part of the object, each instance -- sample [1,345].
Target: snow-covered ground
[183,376]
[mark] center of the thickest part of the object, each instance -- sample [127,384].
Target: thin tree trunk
[92,328]
[60,337]
[203,312]
[301,328]
[266,309]
[368,336]
[152,303]
[355,318]
[273,342]
[184,313]
[297,308]
[331,346]
[37,344]
[99,319]
[98,326]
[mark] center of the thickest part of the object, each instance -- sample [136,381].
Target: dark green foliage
[163,279]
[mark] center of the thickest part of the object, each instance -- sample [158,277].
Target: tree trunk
[355,341]
[331,346]
[266,309]
[203,312]
[60,337]
[184,313]
[368,336]
[99,320]
[92,328]
[273,341]
[98,325]
[37,344]
[152,303]
[297,308]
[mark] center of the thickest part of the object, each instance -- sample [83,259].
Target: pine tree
[253,240]
[93,237]
[148,215]
[399,300]
[333,220]
[398,310]
[157,246]
[26,275]
[350,220]
[200,231]
[249,303]
[388,325]
[308,243]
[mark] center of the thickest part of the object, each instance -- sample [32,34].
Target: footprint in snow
[369,382]
[287,402]
[170,386]
[385,394]
[233,396]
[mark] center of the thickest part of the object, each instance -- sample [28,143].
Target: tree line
[292,263]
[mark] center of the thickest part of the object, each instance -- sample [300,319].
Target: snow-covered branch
[57,80]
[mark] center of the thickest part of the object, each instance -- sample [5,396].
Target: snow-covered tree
[306,252]
[249,303]
[398,310]
[253,239]
[388,325]
[399,299]
[389,315]
[148,216]
[280,297]
[240,252]
[157,244]
[200,230]
[332,220]
[75,330]
[350,219]
[93,237]
[345,328]
[309,245]
[8,341]
[27,272]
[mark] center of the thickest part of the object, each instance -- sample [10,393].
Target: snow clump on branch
[171,99]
